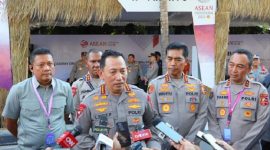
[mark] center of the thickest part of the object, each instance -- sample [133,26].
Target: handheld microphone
[103,142]
[139,135]
[67,140]
[167,130]
[123,134]
[208,138]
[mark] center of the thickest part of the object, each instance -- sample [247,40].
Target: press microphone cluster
[167,130]
[67,140]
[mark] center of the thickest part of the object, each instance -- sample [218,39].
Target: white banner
[67,48]
[173,5]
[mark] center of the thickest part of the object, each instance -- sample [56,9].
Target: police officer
[36,108]
[239,108]
[179,99]
[159,62]
[134,70]
[85,85]
[152,70]
[79,69]
[112,103]
[258,71]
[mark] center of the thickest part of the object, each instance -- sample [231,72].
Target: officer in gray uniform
[36,108]
[112,103]
[239,107]
[134,70]
[152,70]
[179,99]
[258,72]
[85,85]
[79,69]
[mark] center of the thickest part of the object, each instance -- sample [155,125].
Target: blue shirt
[22,104]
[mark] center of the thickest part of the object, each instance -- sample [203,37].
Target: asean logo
[84,44]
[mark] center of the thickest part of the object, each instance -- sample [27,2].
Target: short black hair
[109,53]
[157,53]
[39,51]
[132,55]
[245,52]
[178,46]
[83,53]
[93,50]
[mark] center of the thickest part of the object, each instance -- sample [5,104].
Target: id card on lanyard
[227,131]
[50,137]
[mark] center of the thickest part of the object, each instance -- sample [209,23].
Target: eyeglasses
[42,65]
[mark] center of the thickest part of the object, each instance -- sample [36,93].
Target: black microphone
[167,130]
[123,134]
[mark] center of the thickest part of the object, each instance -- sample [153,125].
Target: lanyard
[231,108]
[46,112]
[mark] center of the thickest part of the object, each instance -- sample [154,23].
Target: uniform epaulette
[255,82]
[133,87]
[194,78]
[160,77]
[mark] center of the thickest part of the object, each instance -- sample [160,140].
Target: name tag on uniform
[50,139]
[227,134]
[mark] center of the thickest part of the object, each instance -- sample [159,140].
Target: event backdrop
[5,59]
[66,48]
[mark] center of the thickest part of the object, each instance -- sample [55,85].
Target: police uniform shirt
[83,87]
[134,71]
[22,104]
[152,71]
[182,103]
[248,118]
[79,69]
[100,112]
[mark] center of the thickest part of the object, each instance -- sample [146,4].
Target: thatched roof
[257,9]
[69,11]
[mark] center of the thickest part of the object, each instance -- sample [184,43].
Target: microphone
[67,140]
[139,135]
[209,139]
[123,134]
[103,142]
[167,130]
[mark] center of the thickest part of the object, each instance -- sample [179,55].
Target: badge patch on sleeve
[74,91]
[264,99]
[151,89]
[80,111]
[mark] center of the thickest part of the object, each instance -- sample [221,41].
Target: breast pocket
[58,107]
[30,110]
[192,104]
[222,108]
[248,110]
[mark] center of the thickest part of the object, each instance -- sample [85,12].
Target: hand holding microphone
[138,136]
[67,140]
[167,130]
